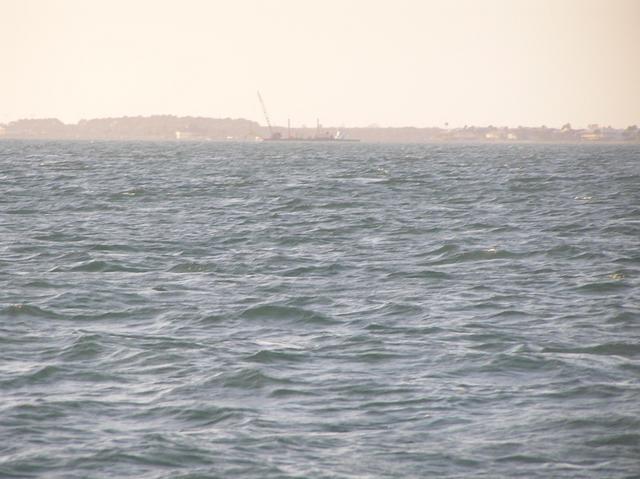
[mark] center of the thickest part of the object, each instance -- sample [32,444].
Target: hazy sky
[348,62]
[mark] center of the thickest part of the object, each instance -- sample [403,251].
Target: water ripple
[188,310]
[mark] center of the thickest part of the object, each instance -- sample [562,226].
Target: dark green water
[173,310]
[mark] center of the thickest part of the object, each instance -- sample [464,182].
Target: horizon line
[373,125]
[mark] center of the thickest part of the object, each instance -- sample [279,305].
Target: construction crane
[266,115]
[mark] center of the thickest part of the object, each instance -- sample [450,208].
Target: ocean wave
[277,312]
[200,309]
[100,266]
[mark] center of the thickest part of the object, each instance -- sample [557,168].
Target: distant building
[185,135]
[2,130]
[593,134]
[495,134]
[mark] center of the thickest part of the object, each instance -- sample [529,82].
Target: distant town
[169,127]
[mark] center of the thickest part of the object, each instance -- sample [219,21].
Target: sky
[346,62]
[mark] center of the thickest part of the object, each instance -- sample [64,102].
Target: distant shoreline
[173,128]
[366,142]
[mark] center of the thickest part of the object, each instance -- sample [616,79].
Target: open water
[194,310]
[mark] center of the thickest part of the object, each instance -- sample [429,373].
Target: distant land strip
[187,128]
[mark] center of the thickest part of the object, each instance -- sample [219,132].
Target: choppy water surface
[295,310]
